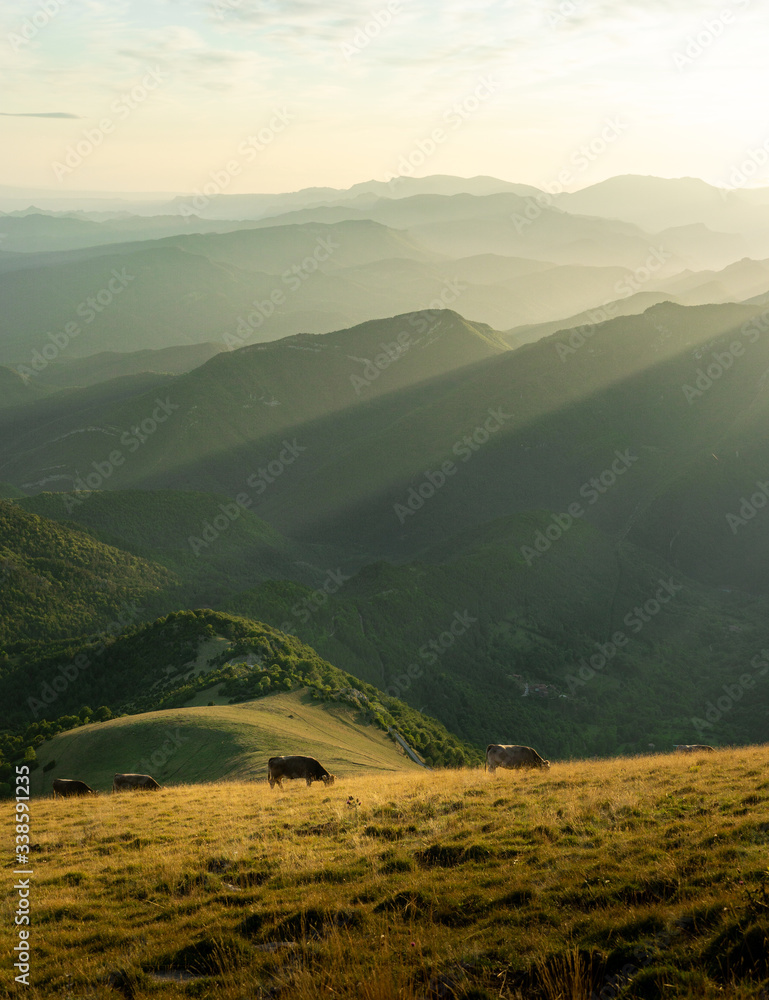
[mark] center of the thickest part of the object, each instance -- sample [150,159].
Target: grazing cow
[502,755]
[67,786]
[693,748]
[130,782]
[308,768]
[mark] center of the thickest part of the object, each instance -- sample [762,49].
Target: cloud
[38,114]
[190,59]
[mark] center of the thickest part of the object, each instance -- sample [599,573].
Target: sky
[277,95]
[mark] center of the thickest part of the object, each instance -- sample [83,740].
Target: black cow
[69,786]
[130,782]
[308,768]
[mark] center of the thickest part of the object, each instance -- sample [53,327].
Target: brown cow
[308,768]
[130,782]
[693,748]
[507,755]
[69,786]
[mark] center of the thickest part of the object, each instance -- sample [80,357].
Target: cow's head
[546,763]
[329,779]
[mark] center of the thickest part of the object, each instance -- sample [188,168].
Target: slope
[191,658]
[645,873]
[382,454]
[631,305]
[629,400]
[67,372]
[59,582]
[116,302]
[17,391]
[225,742]
[210,543]
[657,203]
[505,637]
[117,297]
[219,427]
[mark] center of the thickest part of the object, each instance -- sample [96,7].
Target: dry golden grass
[623,878]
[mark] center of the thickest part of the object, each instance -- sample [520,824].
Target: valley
[384,484]
[384,500]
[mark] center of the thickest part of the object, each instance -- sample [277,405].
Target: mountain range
[510,475]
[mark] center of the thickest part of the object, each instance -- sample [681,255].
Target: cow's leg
[271,780]
[309,780]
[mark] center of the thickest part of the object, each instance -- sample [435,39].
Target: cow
[503,755]
[68,786]
[130,782]
[308,768]
[693,748]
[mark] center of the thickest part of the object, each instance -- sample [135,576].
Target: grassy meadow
[632,877]
[215,742]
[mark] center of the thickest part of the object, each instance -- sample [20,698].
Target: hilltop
[183,659]
[215,741]
[215,427]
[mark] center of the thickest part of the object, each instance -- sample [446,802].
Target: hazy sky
[274,95]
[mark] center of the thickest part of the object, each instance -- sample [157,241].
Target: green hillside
[16,391]
[639,302]
[359,439]
[68,371]
[214,545]
[195,656]
[223,742]
[115,298]
[496,646]
[599,426]
[47,308]
[8,492]
[572,406]
[217,427]
[60,583]
[517,665]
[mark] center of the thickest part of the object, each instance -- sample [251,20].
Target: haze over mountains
[509,258]
[378,385]
[438,401]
